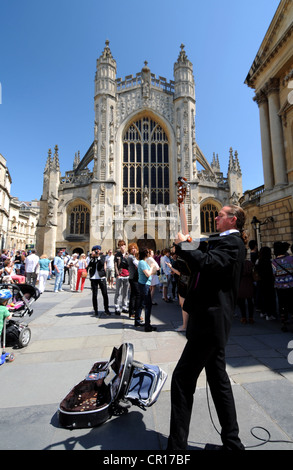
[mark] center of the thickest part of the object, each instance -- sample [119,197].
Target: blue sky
[48,53]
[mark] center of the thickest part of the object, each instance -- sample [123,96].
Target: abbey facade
[124,187]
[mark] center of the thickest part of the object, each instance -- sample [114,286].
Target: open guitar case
[110,389]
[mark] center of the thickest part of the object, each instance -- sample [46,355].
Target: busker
[210,303]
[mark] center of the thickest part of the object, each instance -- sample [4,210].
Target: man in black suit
[210,302]
[97,272]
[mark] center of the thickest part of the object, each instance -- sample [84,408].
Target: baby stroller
[23,296]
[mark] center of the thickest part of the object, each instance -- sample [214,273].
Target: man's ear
[233,221]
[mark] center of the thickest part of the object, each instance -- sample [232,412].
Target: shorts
[110,272]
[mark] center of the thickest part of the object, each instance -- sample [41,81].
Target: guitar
[183,191]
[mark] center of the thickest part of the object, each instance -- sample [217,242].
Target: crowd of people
[266,285]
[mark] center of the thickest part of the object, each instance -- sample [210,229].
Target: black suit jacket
[212,294]
[97,264]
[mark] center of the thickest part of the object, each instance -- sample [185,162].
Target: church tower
[102,187]
[47,225]
[144,139]
[184,108]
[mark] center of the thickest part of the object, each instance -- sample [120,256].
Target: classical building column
[267,157]
[276,130]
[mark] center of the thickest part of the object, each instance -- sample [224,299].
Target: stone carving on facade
[131,101]
[52,202]
[146,197]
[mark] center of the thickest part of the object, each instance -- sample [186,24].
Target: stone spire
[234,165]
[76,160]
[183,76]
[215,163]
[106,73]
[231,160]
[182,54]
[48,162]
[55,161]
[234,177]
[107,54]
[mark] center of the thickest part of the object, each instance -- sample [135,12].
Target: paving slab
[67,339]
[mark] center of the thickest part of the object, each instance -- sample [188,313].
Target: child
[5,295]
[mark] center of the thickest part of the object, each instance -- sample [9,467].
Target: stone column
[277,139]
[267,158]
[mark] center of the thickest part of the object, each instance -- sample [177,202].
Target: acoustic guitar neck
[182,191]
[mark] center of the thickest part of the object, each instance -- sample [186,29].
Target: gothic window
[79,220]
[145,163]
[208,214]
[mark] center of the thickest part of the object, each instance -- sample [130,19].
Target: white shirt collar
[227,232]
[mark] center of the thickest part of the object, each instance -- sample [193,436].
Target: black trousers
[194,358]
[134,299]
[95,283]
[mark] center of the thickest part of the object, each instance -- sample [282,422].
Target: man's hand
[180,238]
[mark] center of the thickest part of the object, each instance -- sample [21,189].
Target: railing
[70,177]
[252,194]
[130,82]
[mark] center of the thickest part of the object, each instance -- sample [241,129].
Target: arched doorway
[146,242]
[77,250]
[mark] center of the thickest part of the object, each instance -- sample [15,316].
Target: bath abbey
[125,186]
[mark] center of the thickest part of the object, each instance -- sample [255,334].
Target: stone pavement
[67,339]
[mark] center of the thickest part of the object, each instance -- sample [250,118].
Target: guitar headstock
[183,189]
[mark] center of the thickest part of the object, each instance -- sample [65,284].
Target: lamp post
[256,226]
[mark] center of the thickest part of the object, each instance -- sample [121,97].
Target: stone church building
[124,187]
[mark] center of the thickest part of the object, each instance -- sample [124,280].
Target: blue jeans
[146,300]
[58,280]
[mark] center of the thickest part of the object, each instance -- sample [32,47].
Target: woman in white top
[73,267]
[155,279]
[82,272]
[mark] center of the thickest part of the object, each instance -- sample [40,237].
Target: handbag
[163,278]
[84,274]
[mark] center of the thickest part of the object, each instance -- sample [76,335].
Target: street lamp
[256,226]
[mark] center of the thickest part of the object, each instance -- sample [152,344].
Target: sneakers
[117,311]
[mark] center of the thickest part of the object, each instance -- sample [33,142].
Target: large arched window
[145,163]
[79,220]
[208,214]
